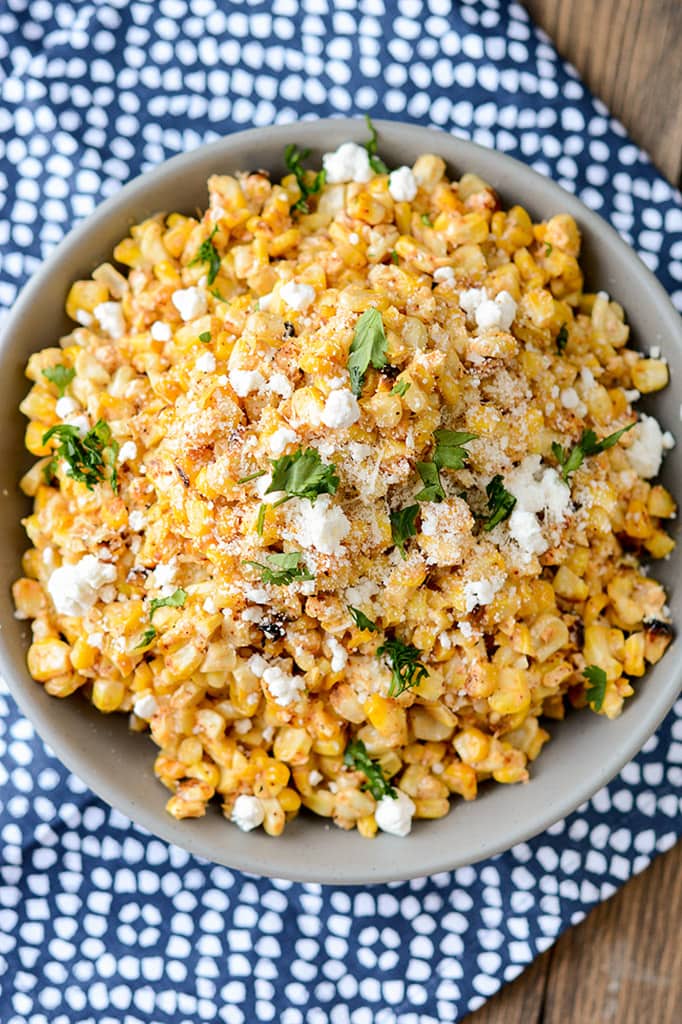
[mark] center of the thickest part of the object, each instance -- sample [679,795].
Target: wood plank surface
[629,52]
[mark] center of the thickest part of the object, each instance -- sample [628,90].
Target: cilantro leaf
[375,161]
[208,253]
[175,600]
[293,158]
[361,620]
[368,347]
[356,757]
[147,637]
[596,691]
[450,453]
[283,568]
[251,476]
[589,444]
[394,257]
[61,376]
[88,457]
[407,670]
[401,387]
[500,502]
[302,475]
[403,526]
[562,339]
[205,337]
[433,489]
[426,220]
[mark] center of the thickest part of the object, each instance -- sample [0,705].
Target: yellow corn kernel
[63,686]
[434,723]
[367,827]
[597,650]
[48,658]
[431,807]
[649,375]
[289,800]
[85,295]
[661,503]
[320,802]
[190,751]
[29,599]
[205,772]
[330,747]
[472,745]
[292,745]
[108,694]
[33,439]
[82,654]
[461,778]
[637,522]
[659,544]
[512,696]
[181,664]
[387,717]
[633,663]
[569,586]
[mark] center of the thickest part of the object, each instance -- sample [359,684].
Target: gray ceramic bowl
[586,751]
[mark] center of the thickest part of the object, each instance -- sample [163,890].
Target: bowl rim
[317,132]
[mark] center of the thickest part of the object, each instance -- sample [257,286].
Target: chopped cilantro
[500,502]
[260,522]
[548,249]
[433,488]
[596,691]
[282,569]
[588,444]
[361,620]
[215,292]
[293,158]
[302,475]
[205,337]
[251,476]
[59,375]
[88,457]
[175,600]
[407,671]
[562,339]
[375,161]
[426,220]
[400,387]
[147,637]
[356,757]
[395,257]
[368,347]
[450,453]
[403,526]
[208,253]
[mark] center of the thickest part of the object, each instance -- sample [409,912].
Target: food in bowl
[339,492]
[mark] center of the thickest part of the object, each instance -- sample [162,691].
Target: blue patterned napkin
[99,922]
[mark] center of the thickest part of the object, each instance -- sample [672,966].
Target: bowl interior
[585,751]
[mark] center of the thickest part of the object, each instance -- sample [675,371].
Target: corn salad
[332,469]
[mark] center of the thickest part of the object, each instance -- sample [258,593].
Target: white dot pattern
[98,920]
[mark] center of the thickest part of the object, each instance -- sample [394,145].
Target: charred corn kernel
[570,586]
[48,658]
[649,375]
[661,503]
[108,694]
[633,655]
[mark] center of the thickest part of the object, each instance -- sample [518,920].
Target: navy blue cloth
[99,922]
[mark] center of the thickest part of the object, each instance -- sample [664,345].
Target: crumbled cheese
[217,213]
[339,654]
[570,398]
[632,395]
[206,363]
[341,409]
[145,706]
[280,385]
[243,382]
[209,606]
[164,574]
[349,162]
[394,814]
[75,588]
[66,406]
[297,296]
[645,454]
[190,302]
[284,688]
[127,452]
[536,490]
[257,594]
[587,378]
[160,331]
[315,777]
[322,524]
[496,314]
[445,640]
[438,768]
[110,316]
[248,812]
[258,665]
[265,301]
[361,592]
[526,530]
[136,520]
[443,274]
[402,185]
[480,592]
[242,725]
[95,640]
[83,318]
[281,438]
[466,629]
[655,352]
[354,238]
[81,423]
[471,298]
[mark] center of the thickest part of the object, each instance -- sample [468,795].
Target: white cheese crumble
[536,490]
[242,725]
[258,665]
[281,438]
[497,313]
[361,592]
[341,409]
[189,302]
[394,815]
[206,363]
[74,588]
[349,162]
[160,331]
[480,592]
[280,385]
[210,606]
[83,317]
[645,454]
[315,777]
[164,574]
[136,520]
[145,706]
[632,395]
[323,525]
[81,423]
[66,406]
[284,688]
[297,296]
[248,812]
[402,185]
[526,530]
[95,640]
[243,382]
[110,316]
[339,654]
[127,452]
[466,629]
[443,274]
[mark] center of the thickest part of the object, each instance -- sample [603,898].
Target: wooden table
[623,964]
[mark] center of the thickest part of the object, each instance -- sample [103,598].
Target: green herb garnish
[588,444]
[260,522]
[368,347]
[175,600]
[548,249]
[61,376]
[403,526]
[407,670]
[361,620]
[500,502]
[401,387]
[395,257]
[450,453]
[562,339]
[251,476]
[88,457]
[302,475]
[205,337]
[356,757]
[433,488]
[215,292]
[282,569]
[208,253]
[293,158]
[426,220]
[147,637]
[375,161]
[596,691]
